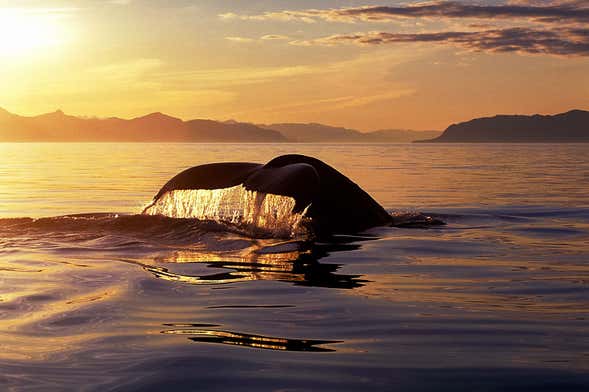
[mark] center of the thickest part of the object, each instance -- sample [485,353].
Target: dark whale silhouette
[335,203]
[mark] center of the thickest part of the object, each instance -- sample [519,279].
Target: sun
[23,32]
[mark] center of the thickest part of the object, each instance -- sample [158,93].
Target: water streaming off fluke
[259,213]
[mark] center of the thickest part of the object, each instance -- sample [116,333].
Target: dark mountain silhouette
[399,135]
[155,127]
[158,127]
[319,133]
[312,132]
[212,131]
[572,126]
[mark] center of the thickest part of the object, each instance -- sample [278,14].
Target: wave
[115,231]
[155,229]
[187,251]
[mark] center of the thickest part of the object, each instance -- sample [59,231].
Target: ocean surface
[95,297]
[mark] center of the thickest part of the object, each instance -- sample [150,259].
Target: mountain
[158,127]
[155,127]
[315,133]
[319,133]
[572,126]
[399,135]
[211,131]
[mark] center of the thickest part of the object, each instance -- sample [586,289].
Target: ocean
[95,297]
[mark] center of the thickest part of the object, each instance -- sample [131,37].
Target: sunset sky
[362,64]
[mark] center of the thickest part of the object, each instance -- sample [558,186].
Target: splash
[259,213]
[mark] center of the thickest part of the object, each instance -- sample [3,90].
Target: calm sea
[496,300]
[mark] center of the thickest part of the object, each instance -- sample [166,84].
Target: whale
[331,202]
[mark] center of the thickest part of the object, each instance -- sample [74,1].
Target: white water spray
[268,213]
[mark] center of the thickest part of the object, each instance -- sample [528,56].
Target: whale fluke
[331,201]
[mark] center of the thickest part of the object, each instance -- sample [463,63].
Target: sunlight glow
[23,32]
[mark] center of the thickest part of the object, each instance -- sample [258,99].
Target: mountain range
[158,127]
[319,133]
[572,126]
[568,127]
[155,127]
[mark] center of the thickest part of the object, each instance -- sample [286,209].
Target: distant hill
[315,133]
[158,127]
[155,127]
[572,126]
[319,133]
[399,135]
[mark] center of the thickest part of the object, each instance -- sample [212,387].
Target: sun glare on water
[24,32]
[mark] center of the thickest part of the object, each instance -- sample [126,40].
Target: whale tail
[290,184]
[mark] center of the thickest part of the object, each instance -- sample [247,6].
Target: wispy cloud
[135,73]
[120,2]
[249,40]
[274,37]
[285,16]
[330,104]
[562,41]
[240,40]
[552,12]
[553,27]
[232,78]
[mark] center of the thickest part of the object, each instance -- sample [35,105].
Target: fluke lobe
[335,203]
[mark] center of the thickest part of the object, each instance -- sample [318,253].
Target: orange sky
[402,65]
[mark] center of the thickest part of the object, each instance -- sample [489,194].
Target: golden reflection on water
[246,265]
[48,179]
[279,260]
[482,292]
[64,309]
[252,341]
[272,262]
[59,297]
[24,333]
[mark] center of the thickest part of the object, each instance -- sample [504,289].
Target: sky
[367,64]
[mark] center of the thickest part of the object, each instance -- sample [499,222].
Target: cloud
[128,72]
[546,12]
[284,16]
[271,37]
[240,39]
[554,27]
[330,104]
[561,41]
[248,40]
[579,3]
[231,78]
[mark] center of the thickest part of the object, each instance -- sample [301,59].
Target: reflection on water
[299,267]
[496,299]
[253,341]
[84,277]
